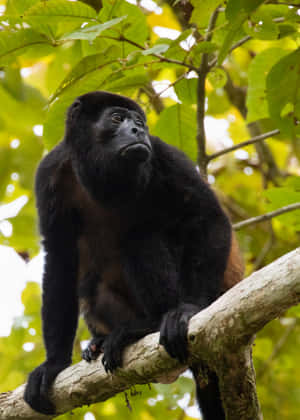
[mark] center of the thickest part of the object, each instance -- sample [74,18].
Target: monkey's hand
[173,330]
[38,386]
[113,348]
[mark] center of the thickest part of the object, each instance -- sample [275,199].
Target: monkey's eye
[139,122]
[116,118]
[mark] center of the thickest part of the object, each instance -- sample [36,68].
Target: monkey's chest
[105,298]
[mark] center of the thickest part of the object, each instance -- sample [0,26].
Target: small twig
[267,216]
[243,144]
[172,84]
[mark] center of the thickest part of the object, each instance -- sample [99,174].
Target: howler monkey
[135,240]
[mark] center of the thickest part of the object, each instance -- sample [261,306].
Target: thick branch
[267,216]
[219,336]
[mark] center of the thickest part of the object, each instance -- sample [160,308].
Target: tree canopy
[210,75]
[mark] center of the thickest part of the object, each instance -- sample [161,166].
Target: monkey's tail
[208,396]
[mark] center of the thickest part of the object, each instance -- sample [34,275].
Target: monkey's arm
[59,299]
[207,241]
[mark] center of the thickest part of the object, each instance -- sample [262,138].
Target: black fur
[134,238]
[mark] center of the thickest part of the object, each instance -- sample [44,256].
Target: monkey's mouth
[137,150]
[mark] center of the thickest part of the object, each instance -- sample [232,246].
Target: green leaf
[90,33]
[55,10]
[232,30]
[18,7]
[86,66]
[202,11]
[177,126]
[124,83]
[157,49]
[217,77]
[205,47]
[259,68]
[186,90]
[202,48]
[235,7]
[133,28]
[237,11]
[283,92]
[12,43]
[287,30]
[261,27]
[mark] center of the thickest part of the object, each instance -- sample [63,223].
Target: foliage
[52,51]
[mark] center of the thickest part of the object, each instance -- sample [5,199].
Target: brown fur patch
[235,266]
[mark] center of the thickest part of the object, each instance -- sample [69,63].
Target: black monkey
[135,239]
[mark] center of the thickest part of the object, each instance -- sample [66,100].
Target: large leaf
[89,33]
[177,126]
[256,95]
[134,28]
[12,43]
[186,90]
[127,80]
[85,67]
[58,10]
[18,7]
[283,93]
[261,26]
[202,11]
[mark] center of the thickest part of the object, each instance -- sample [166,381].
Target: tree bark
[219,336]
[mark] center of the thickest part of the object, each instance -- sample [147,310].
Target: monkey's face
[109,145]
[122,134]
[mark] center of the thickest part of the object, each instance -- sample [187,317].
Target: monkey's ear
[74,109]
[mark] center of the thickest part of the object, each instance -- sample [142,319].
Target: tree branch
[267,216]
[253,140]
[219,336]
[202,73]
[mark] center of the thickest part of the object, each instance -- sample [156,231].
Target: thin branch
[267,216]
[234,46]
[244,144]
[160,57]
